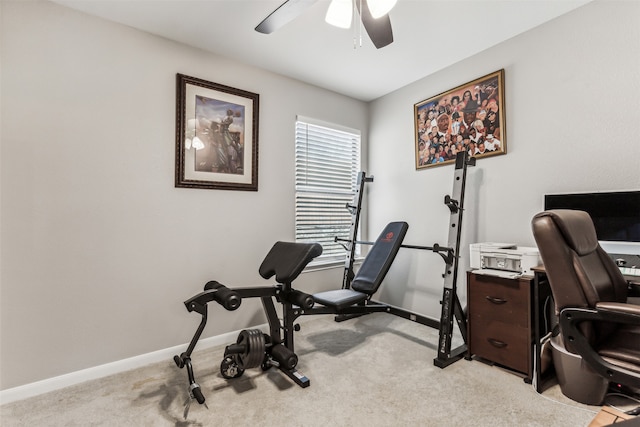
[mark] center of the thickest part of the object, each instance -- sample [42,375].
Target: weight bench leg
[184,360]
[286,338]
[297,377]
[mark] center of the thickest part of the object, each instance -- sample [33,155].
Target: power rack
[451,307]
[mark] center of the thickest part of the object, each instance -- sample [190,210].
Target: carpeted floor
[376,370]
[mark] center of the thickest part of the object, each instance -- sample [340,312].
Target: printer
[503,259]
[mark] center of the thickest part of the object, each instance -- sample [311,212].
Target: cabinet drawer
[500,342]
[505,300]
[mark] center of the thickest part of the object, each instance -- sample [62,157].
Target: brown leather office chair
[599,329]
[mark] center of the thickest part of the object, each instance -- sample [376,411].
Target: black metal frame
[355,210]
[294,302]
[451,306]
[199,303]
[570,318]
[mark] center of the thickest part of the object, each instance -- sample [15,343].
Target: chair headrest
[576,228]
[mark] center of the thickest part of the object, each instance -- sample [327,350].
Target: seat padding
[622,348]
[340,298]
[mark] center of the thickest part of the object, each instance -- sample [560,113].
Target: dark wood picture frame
[470,117]
[216,136]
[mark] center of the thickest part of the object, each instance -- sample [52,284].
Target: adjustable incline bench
[370,275]
[356,300]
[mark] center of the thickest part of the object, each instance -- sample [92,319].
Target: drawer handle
[497,343]
[495,300]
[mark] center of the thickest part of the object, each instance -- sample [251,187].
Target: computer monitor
[615,215]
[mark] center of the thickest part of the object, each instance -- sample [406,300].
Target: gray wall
[572,103]
[98,248]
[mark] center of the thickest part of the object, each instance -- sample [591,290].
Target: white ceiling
[429,35]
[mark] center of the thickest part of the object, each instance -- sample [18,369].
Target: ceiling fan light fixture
[380,8]
[340,13]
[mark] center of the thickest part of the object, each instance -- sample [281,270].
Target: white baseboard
[77,377]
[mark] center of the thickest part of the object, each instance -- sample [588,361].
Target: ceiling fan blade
[286,12]
[379,29]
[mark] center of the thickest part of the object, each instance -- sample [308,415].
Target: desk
[541,291]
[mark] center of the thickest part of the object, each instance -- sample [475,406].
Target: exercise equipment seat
[372,271]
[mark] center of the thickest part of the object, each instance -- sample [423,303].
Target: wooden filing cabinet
[500,320]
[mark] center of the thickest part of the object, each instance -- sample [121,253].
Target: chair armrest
[619,308]
[570,318]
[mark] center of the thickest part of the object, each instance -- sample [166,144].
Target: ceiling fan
[373,13]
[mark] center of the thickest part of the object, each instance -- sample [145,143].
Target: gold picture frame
[470,117]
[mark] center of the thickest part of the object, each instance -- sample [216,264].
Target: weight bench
[286,261]
[371,273]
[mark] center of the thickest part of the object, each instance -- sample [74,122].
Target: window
[327,166]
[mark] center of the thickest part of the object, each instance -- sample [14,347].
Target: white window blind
[327,166]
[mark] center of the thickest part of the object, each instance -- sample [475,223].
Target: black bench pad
[340,298]
[375,266]
[286,260]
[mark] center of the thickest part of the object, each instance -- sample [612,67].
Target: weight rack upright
[451,307]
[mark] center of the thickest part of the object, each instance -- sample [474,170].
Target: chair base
[576,379]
